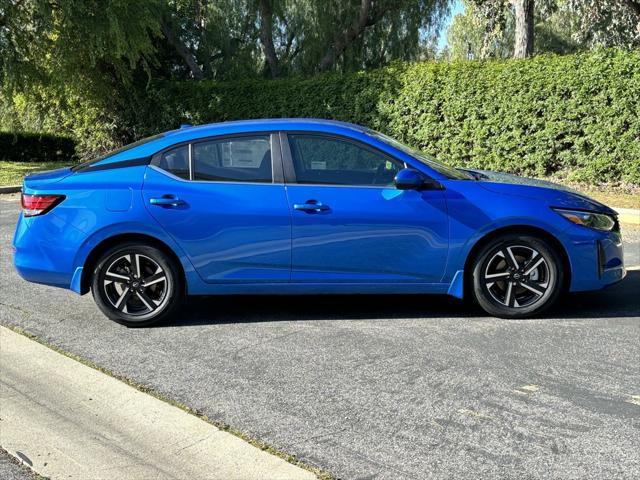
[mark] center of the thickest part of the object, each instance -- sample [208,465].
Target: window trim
[289,168]
[277,175]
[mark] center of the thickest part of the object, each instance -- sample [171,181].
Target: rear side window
[175,161]
[240,159]
[326,160]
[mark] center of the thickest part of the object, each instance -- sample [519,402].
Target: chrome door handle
[167,201]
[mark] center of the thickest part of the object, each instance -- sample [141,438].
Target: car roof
[147,147]
[263,124]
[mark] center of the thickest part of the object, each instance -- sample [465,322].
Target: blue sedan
[303,206]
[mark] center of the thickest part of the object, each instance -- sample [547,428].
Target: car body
[285,206]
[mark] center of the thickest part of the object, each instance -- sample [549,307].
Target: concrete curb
[65,419]
[628,215]
[10,189]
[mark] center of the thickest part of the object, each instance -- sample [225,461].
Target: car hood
[555,194]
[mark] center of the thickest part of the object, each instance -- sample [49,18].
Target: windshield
[422,157]
[116,151]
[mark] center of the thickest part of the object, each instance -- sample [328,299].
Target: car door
[350,224]
[225,205]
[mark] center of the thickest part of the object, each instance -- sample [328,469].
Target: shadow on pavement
[620,300]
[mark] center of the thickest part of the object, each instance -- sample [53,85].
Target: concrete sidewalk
[628,215]
[71,421]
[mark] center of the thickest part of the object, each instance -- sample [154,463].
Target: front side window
[320,159]
[422,157]
[241,159]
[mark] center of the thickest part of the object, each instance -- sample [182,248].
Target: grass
[12,173]
[619,198]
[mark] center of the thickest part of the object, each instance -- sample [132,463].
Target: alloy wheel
[517,276]
[135,284]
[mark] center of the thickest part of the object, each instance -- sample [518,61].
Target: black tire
[132,298]
[517,276]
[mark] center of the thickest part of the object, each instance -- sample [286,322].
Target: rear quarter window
[174,161]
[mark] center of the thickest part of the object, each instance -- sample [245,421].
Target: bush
[576,115]
[32,147]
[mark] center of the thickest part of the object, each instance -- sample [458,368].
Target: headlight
[598,221]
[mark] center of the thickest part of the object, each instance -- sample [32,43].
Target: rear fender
[131,228]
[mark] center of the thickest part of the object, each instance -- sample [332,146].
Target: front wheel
[136,285]
[517,276]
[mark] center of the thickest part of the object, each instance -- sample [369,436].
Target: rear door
[350,224]
[223,200]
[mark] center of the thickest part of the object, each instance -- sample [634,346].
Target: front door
[217,198]
[351,225]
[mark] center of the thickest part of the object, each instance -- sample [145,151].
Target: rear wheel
[517,276]
[136,285]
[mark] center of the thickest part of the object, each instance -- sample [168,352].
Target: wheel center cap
[516,276]
[135,285]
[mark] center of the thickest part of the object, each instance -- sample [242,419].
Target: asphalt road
[382,386]
[10,469]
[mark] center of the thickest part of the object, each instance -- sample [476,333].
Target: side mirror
[410,179]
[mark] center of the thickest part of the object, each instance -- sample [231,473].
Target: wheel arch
[517,229]
[107,243]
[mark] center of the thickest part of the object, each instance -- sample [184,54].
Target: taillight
[33,205]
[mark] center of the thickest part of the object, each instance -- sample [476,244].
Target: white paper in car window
[244,153]
[318,165]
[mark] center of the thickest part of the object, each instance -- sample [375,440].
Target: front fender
[464,249]
[475,213]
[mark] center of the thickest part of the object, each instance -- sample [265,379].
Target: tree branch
[183,51]
[366,18]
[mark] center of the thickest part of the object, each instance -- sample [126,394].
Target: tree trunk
[523,46]
[266,37]
[183,51]
[343,40]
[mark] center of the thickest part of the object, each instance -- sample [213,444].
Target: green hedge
[32,147]
[575,115]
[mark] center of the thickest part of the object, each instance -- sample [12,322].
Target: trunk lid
[38,180]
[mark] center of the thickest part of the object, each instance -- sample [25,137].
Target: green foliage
[485,29]
[576,115]
[73,41]
[32,147]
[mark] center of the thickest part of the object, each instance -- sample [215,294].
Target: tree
[484,30]
[487,28]
[523,46]
[310,36]
[603,23]
[70,38]
[368,16]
